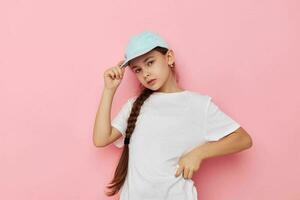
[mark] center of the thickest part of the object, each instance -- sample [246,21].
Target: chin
[154,88]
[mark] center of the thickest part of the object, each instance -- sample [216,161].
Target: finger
[186,172]
[111,74]
[190,174]
[120,72]
[115,71]
[120,63]
[123,70]
[179,170]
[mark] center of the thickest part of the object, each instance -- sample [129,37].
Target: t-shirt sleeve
[120,121]
[217,123]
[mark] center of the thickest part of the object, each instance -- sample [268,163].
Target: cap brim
[136,55]
[142,53]
[124,64]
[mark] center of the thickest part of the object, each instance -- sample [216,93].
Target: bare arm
[237,141]
[103,132]
[102,125]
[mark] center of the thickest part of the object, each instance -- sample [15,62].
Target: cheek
[159,69]
[140,78]
[162,71]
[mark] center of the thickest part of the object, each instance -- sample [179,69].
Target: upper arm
[114,135]
[243,134]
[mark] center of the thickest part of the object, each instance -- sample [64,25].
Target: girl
[165,131]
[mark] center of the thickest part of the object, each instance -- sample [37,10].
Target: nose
[145,73]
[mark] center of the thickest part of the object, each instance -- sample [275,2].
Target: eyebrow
[145,60]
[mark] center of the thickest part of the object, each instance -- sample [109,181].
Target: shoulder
[131,100]
[199,97]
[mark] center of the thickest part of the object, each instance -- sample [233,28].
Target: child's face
[152,65]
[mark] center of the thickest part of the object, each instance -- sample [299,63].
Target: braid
[135,111]
[121,170]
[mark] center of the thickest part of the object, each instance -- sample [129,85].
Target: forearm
[102,125]
[232,143]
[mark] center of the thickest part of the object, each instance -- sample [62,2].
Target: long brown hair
[121,170]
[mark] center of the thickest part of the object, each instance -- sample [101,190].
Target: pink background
[245,54]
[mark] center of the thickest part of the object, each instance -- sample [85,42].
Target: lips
[151,81]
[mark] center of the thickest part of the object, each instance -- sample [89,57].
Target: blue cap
[142,43]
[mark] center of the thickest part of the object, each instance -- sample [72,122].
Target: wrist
[109,90]
[200,153]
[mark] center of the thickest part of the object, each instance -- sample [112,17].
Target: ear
[170,56]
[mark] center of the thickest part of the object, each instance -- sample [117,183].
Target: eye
[150,62]
[137,71]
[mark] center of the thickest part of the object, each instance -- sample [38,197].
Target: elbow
[98,142]
[247,141]
[244,138]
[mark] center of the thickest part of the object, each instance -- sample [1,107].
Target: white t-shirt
[168,126]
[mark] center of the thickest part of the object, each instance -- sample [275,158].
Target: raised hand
[113,76]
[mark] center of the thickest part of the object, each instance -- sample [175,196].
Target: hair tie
[127,139]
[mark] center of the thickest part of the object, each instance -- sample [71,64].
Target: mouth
[151,82]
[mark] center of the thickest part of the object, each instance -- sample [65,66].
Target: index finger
[120,62]
[179,170]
